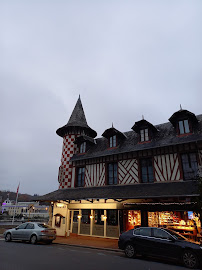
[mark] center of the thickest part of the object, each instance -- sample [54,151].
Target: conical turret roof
[77,120]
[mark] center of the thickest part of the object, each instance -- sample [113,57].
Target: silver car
[31,231]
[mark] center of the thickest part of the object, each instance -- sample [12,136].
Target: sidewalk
[88,241]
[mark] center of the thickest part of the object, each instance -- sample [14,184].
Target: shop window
[112,174]
[184,127]
[112,217]
[134,219]
[98,223]
[80,177]
[147,170]
[85,222]
[83,147]
[143,231]
[112,229]
[113,141]
[144,135]
[189,165]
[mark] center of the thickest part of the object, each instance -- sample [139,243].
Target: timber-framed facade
[143,177]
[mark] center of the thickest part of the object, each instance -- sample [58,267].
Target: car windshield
[42,225]
[176,235]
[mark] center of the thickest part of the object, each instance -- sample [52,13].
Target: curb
[91,247]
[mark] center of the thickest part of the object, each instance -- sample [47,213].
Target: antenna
[142,117]
[112,125]
[180,107]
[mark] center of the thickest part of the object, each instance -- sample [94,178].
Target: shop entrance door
[74,221]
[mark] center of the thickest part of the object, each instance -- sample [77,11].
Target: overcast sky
[125,58]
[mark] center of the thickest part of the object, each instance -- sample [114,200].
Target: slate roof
[165,136]
[134,191]
[77,119]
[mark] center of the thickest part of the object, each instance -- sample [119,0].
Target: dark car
[160,242]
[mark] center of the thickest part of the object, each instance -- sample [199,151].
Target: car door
[164,244]
[142,240]
[18,232]
[28,231]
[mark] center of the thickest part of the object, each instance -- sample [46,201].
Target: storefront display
[186,223]
[134,219]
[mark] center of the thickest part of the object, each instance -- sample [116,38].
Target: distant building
[26,209]
[143,177]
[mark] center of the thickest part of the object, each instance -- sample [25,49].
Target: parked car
[160,242]
[31,231]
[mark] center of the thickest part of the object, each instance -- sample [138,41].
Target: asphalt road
[24,256]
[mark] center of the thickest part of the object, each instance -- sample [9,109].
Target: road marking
[1,239]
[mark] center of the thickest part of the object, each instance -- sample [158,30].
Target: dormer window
[112,141]
[144,135]
[184,127]
[145,130]
[183,121]
[83,147]
[114,137]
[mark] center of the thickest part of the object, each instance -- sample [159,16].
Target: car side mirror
[16,228]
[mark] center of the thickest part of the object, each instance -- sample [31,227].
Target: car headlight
[201,247]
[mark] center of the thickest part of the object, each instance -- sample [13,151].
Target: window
[30,226]
[189,165]
[85,216]
[112,174]
[184,127]
[80,177]
[112,217]
[147,170]
[22,226]
[112,141]
[83,147]
[158,233]
[143,231]
[144,135]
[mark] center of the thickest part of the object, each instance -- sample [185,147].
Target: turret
[76,126]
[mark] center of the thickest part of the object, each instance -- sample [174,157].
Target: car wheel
[33,239]
[130,251]
[8,237]
[189,259]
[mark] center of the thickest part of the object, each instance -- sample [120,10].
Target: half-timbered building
[146,176]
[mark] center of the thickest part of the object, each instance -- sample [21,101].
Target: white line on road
[1,239]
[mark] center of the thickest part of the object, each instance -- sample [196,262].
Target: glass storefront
[85,222]
[186,223]
[112,223]
[75,222]
[98,223]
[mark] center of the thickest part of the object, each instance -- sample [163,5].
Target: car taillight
[54,231]
[44,231]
